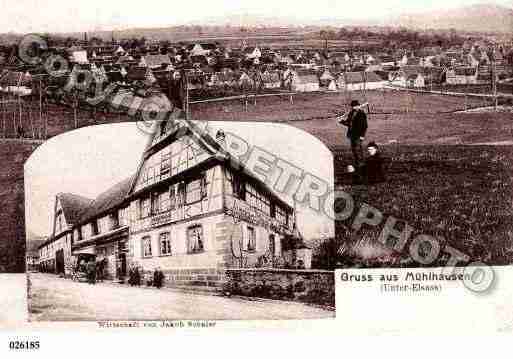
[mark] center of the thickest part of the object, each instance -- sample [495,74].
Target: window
[172,196]
[281,215]
[165,160]
[146,247]
[273,210]
[251,239]
[144,207]
[114,220]
[180,194]
[77,235]
[123,216]
[155,206]
[164,201]
[195,242]
[165,244]
[94,228]
[272,245]
[99,226]
[252,197]
[196,190]
[266,204]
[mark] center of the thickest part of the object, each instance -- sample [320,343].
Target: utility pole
[75,105]
[494,84]
[3,116]
[188,98]
[466,90]
[40,127]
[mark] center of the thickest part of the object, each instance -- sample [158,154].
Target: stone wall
[309,286]
[211,278]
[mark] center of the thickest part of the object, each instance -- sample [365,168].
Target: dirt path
[55,298]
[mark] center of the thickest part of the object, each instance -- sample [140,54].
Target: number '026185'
[24,345]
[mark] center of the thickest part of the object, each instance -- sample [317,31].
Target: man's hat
[355,103]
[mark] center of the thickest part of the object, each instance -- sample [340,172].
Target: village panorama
[411,120]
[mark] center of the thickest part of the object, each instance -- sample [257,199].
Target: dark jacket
[158,278]
[375,167]
[356,124]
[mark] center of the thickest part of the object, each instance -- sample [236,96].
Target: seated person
[374,165]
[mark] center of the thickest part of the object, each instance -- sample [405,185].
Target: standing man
[356,122]
[91,271]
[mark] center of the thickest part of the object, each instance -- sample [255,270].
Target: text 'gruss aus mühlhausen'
[405,281]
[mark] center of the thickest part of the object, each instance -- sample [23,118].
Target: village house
[154,61]
[202,49]
[358,81]
[271,79]
[32,253]
[326,78]
[55,252]
[461,76]
[413,76]
[301,81]
[189,210]
[246,81]
[252,53]
[16,82]
[397,78]
[415,80]
[78,56]
[386,61]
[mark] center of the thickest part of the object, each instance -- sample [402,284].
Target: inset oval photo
[182,220]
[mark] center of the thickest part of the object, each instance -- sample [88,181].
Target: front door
[59,261]
[122,264]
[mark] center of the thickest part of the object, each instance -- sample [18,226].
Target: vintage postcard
[256,164]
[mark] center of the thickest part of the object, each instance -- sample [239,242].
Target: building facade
[189,210]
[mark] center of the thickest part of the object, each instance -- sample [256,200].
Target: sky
[68,16]
[90,160]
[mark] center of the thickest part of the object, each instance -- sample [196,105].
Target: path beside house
[54,298]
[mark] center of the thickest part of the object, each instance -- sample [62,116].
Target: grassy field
[439,181]
[427,183]
[462,195]
[455,128]
[506,88]
[306,106]
[58,119]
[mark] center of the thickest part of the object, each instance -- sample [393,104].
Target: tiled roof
[73,206]
[156,60]
[107,200]
[137,73]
